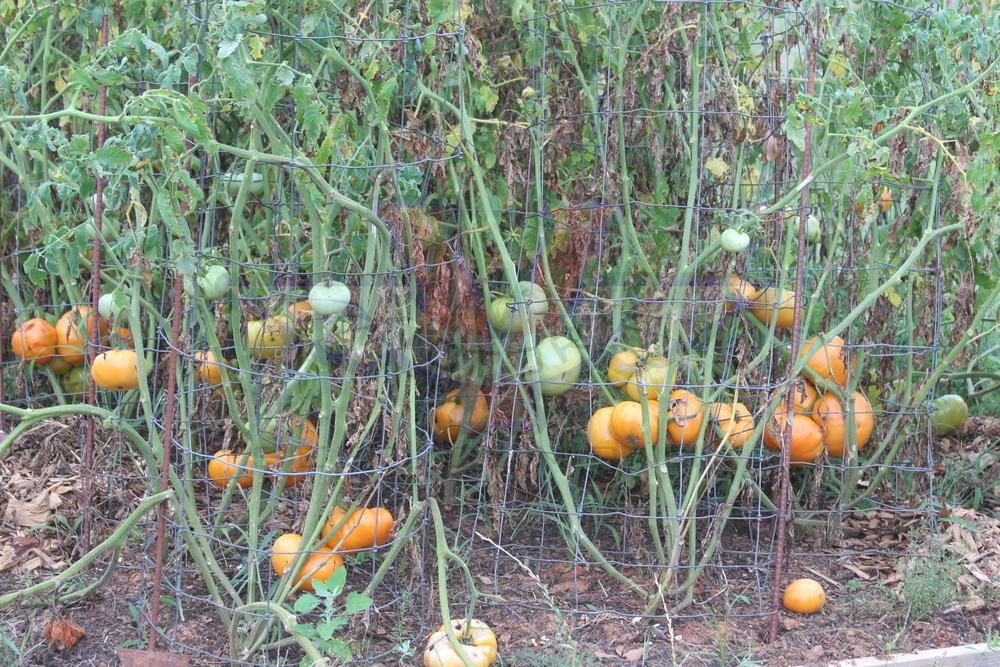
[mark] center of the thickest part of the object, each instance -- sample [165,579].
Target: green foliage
[930,584]
[333,617]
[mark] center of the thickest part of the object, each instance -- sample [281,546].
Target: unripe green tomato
[233,181]
[214,282]
[950,413]
[106,305]
[534,297]
[502,318]
[734,241]
[558,360]
[74,383]
[813,231]
[330,298]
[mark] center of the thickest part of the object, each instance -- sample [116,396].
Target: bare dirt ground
[548,615]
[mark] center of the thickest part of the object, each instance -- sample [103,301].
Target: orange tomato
[625,423]
[829,415]
[209,370]
[364,529]
[71,331]
[279,433]
[225,465]
[737,291]
[828,361]
[35,340]
[804,394]
[685,415]
[768,304]
[733,423]
[300,312]
[283,552]
[804,596]
[125,337]
[449,417]
[280,464]
[319,565]
[806,441]
[116,369]
[885,199]
[478,642]
[602,443]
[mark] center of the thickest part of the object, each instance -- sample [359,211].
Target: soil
[554,610]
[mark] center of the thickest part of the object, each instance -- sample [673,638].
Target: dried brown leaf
[63,633]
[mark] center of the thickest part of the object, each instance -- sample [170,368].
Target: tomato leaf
[229,46]
[306,604]
[356,602]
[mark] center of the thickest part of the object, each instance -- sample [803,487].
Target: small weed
[552,657]
[11,653]
[930,584]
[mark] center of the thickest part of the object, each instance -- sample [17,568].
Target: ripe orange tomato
[828,361]
[602,443]
[449,417]
[478,641]
[283,552]
[282,432]
[35,340]
[125,337]
[885,199]
[804,596]
[319,565]
[625,423]
[71,331]
[281,465]
[737,291]
[829,415]
[225,465]
[116,369]
[364,529]
[685,414]
[300,312]
[807,437]
[768,304]
[804,394]
[649,378]
[209,370]
[733,423]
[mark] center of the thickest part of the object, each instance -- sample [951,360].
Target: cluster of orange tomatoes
[287,443]
[817,421]
[62,348]
[617,431]
[363,529]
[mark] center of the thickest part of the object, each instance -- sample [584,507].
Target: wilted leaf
[717,167]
